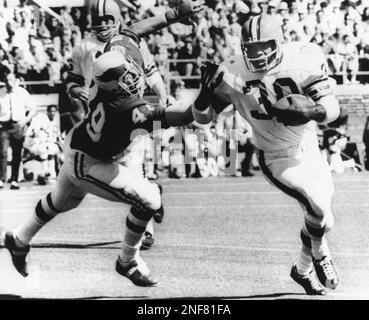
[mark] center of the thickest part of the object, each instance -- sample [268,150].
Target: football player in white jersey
[106,26]
[268,77]
[107,23]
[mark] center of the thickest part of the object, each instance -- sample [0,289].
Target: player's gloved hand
[79,93]
[294,110]
[211,78]
[184,11]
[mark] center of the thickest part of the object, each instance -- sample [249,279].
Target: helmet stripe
[100,8]
[104,8]
[252,28]
[258,28]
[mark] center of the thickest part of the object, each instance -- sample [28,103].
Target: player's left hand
[293,110]
[211,76]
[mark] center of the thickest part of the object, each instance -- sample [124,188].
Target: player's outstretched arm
[178,116]
[206,102]
[182,13]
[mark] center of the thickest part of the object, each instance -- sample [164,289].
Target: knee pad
[151,202]
[155,199]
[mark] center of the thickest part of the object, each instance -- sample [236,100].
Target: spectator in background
[16,111]
[43,141]
[187,52]
[350,56]
[272,7]
[366,143]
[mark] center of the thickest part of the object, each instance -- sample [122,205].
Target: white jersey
[84,57]
[43,130]
[302,70]
[90,49]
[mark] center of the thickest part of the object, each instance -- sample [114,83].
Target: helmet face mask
[261,56]
[133,80]
[105,28]
[106,19]
[262,37]
[119,74]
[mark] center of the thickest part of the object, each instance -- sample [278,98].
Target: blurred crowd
[39,45]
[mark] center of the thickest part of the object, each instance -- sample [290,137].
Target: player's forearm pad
[332,108]
[202,117]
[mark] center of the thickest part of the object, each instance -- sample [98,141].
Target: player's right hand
[79,93]
[187,9]
[211,76]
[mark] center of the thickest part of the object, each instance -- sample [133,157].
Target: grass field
[231,238]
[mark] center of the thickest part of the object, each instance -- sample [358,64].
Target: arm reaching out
[207,102]
[178,116]
[182,13]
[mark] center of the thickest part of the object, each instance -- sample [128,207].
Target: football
[291,108]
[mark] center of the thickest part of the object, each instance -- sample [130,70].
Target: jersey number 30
[94,128]
[280,86]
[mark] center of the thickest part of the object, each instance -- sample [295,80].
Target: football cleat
[159,215]
[308,282]
[137,272]
[326,272]
[147,241]
[18,254]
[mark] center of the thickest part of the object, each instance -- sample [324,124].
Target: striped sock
[136,223]
[319,247]
[41,216]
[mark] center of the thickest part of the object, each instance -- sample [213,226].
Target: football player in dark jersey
[117,113]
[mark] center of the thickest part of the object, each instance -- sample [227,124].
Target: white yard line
[201,246]
[23,207]
[32,195]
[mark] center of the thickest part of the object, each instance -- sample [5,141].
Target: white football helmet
[119,74]
[106,19]
[262,37]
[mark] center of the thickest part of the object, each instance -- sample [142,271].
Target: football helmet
[262,37]
[106,19]
[120,73]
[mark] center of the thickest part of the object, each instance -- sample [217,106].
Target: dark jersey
[112,123]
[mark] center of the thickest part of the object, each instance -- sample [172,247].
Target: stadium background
[354,98]
[216,240]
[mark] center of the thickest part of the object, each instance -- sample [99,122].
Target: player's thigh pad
[292,177]
[134,155]
[319,168]
[117,183]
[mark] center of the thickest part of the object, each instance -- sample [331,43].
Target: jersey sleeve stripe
[319,89]
[322,79]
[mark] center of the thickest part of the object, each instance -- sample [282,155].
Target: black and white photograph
[184,150]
